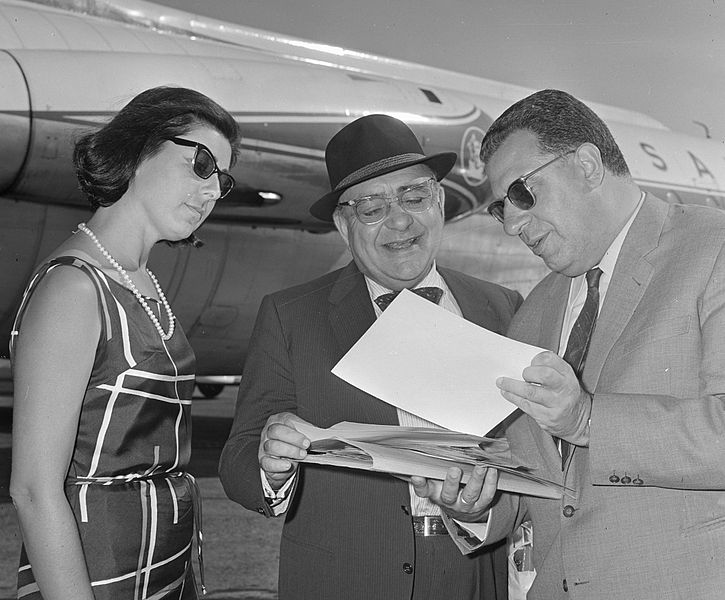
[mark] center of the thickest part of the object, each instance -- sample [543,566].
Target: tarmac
[241,547]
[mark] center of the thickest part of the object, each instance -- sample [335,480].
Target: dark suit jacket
[347,533]
[648,520]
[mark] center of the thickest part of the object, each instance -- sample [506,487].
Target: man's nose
[514,219]
[211,188]
[397,218]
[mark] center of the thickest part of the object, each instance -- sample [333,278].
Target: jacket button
[407,568]
[637,481]
[613,478]
[565,586]
[568,511]
[626,479]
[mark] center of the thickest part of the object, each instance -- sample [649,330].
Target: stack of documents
[422,451]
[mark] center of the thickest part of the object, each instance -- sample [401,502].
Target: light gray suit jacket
[648,520]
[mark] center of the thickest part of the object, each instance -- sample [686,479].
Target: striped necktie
[581,334]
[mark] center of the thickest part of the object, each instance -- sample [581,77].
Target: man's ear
[341,224]
[589,161]
[442,200]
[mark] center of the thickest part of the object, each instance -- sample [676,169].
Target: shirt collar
[432,279]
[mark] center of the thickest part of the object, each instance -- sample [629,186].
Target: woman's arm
[53,360]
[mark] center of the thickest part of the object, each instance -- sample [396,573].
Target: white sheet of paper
[426,360]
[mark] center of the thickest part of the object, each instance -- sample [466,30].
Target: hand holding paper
[467,503]
[552,395]
[281,446]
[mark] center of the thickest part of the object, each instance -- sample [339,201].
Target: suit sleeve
[506,514]
[267,388]
[674,440]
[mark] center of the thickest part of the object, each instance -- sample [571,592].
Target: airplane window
[715,202]
[431,96]
[673,197]
[453,206]
[460,205]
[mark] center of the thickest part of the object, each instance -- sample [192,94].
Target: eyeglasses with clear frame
[519,193]
[375,208]
[204,165]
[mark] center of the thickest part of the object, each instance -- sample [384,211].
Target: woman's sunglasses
[204,165]
[519,193]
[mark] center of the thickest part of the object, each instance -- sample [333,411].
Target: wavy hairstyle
[105,160]
[561,123]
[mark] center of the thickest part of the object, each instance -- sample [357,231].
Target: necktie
[429,293]
[581,334]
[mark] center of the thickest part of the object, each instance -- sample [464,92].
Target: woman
[104,375]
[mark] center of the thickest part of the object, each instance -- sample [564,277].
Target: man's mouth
[536,245]
[198,211]
[402,244]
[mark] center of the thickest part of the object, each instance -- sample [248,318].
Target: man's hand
[280,447]
[465,503]
[552,395]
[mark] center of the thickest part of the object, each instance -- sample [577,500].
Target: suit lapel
[351,315]
[552,317]
[475,307]
[632,274]
[545,331]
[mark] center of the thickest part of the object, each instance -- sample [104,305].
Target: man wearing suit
[642,428]
[351,534]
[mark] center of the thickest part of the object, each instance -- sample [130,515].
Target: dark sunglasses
[204,165]
[519,193]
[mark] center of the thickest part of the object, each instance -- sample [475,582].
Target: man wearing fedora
[351,534]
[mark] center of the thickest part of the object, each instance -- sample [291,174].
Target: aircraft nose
[14,120]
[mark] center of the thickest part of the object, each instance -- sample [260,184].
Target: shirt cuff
[469,537]
[278,501]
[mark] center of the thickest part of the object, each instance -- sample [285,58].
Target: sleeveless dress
[134,504]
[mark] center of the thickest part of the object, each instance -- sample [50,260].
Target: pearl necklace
[130,284]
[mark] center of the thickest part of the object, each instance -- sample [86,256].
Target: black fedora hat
[368,147]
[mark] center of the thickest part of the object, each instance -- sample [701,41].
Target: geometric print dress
[135,506]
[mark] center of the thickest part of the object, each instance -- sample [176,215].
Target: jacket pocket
[655,333]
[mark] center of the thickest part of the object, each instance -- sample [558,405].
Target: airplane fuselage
[61,73]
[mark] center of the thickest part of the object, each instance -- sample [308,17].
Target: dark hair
[106,160]
[561,123]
